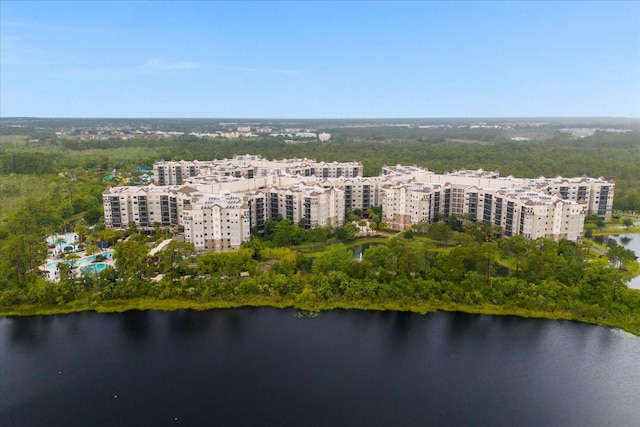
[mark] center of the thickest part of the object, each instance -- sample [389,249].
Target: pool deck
[50,267]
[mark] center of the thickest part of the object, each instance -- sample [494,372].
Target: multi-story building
[324,136]
[174,173]
[597,193]
[406,204]
[250,166]
[216,223]
[217,202]
[359,193]
[145,206]
[528,212]
[308,205]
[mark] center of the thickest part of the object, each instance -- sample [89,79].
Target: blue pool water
[69,240]
[82,262]
[94,268]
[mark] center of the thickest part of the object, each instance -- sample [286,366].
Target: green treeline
[611,155]
[437,267]
[49,185]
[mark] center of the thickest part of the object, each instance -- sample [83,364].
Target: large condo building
[216,203]
[527,212]
[216,222]
[250,166]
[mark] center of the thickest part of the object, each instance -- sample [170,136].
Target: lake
[629,241]
[269,367]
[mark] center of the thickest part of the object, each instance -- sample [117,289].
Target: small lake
[269,367]
[629,241]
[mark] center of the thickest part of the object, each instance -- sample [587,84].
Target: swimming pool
[93,268]
[81,262]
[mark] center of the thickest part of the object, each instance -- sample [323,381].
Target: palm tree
[60,241]
[71,258]
[92,249]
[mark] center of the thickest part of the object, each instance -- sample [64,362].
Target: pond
[262,366]
[629,241]
[359,250]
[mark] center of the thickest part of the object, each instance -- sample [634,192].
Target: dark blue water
[261,367]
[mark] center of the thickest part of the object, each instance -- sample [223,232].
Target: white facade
[216,222]
[530,213]
[224,199]
[597,193]
[308,205]
[249,166]
[144,206]
[324,136]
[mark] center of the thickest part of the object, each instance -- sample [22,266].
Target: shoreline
[419,307]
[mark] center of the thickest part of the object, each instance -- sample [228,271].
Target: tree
[131,256]
[421,227]
[464,239]
[109,235]
[211,263]
[335,258]
[453,223]
[287,234]
[71,259]
[287,259]
[237,261]
[627,222]
[60,241]
[81,230]
[317,234]
[350,216]
[378,262]
[174,258]
[92,249]
[22,254]
[618,255]
[374,210]
[489,252]
[346,232]
[517,247]
[440,232]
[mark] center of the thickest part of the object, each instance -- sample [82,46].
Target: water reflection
[251,366]
[237,321]
[359,250]
[30,331]
[183,323]
[625,240]
[402,323]
[135,324]
[629,241]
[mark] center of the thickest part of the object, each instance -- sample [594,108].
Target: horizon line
[312,118]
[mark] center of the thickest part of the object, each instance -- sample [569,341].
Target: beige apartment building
[250,166]
[216,223]
[216,203]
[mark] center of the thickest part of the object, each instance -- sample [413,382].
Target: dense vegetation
[50,185]
[433,267]
[611,155]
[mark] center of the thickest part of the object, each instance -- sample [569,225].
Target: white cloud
[163,65]
[262,70]
[160,64]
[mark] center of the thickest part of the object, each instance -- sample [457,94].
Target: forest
[49,185]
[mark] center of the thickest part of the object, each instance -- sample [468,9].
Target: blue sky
[319,59]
